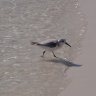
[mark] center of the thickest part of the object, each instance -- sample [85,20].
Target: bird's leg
[43,53]
[54,54]
[66,69]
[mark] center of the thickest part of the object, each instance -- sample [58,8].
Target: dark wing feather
[51,44]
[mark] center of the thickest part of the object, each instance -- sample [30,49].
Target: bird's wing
[51,44]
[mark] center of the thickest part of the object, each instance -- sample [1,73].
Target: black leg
[54,54]
[66,69]
[43,53]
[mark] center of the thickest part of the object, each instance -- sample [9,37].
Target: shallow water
[22,71]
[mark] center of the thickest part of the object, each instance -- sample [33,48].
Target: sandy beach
[84,78]
[23,72]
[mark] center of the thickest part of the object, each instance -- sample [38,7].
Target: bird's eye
[62,40]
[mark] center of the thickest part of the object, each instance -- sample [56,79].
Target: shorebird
[51,45]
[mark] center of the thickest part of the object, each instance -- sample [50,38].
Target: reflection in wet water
[65,62]
[22,71]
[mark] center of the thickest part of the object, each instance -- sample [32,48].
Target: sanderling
[51,45]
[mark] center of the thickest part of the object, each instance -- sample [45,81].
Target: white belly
[51,49]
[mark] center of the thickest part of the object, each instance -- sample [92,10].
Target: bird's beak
[67,44]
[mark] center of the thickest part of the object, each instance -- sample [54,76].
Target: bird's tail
[35,43]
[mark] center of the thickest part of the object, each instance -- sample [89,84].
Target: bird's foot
[55,56]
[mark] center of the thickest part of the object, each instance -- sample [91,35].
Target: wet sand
[84,78]
[22,71]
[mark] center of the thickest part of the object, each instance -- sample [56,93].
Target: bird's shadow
[65,62]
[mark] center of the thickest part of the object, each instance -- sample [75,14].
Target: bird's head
[63,41]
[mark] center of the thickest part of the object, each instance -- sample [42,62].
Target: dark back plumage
[51,44]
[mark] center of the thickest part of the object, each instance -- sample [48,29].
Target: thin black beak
[67,44]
